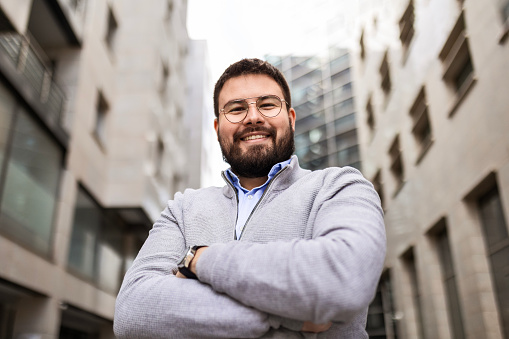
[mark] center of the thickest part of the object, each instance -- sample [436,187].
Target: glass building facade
[322,95]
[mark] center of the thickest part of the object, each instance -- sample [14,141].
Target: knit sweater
[312,250]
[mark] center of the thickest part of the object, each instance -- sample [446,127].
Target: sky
[235,29]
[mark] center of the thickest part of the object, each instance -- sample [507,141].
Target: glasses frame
[252,102]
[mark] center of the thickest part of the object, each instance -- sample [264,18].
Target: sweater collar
[292,173]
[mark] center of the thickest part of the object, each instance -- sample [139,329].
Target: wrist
[194,261]
[184,266]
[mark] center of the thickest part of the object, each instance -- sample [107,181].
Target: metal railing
[30,62]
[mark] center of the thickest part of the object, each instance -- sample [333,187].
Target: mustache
[269,130]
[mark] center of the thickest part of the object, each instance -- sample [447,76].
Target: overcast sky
[235,29]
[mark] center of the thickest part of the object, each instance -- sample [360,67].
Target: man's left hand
[192,267]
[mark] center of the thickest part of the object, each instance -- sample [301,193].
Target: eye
[235,108]
[269,103]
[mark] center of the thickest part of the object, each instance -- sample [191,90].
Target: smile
[253,137]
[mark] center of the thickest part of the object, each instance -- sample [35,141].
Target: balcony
[27,68]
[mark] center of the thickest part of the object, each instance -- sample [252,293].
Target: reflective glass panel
[31,185]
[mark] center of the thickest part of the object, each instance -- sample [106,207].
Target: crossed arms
[247,289]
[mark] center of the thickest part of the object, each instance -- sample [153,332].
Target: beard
[257,160]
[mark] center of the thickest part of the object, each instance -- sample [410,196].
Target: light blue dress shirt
[249,199]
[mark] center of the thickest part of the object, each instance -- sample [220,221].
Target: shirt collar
[273,171]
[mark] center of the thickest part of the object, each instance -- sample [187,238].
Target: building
[202,149]
[92,97]
[432,78]
[321,87]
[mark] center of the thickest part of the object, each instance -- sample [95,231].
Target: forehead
[247,86]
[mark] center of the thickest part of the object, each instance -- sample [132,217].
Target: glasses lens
[269,105]
[235,111]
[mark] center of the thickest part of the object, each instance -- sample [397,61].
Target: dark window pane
[87,222]
[348,156]
[495,233]
[451,288]
[309,122]
[30,191]
[96,244]
[495,228]
[500,269]
[463,74]
[7,105]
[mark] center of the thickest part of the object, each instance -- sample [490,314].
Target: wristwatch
[184,266]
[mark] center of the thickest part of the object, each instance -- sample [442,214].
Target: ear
[292,117]
[216,127]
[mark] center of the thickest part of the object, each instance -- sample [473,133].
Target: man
[278,252]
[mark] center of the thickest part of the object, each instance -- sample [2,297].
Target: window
[339,64]
[346,140]
[396,163]
[504,11]
[165,75]
[31,163]
[102,109]
[421,125]
[349,157]
[496,237]
[441,238]
[7,318]
[341,93]
[343,108]
[111,30]
[78,5]
[381,321]
[363,47]
[341,78]
[406,25]
[159,157]
[311,121]
[345,123]
[76,323]
[457,64]
[169,9]
[370,117]
[411,270]
[96,243]
[378,185]
[385,75]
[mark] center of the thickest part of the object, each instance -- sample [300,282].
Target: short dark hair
[251,66]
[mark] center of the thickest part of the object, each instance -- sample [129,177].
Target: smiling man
[278,252]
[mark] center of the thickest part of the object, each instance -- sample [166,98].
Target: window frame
[456,58]
[397,167]
[421,122]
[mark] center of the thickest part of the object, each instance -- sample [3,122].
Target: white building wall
[468,143]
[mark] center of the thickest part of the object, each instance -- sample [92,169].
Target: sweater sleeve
[154,303]
[331,277]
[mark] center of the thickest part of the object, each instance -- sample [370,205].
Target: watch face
[182,261]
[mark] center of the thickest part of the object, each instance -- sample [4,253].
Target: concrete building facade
[432,78]
[92,98]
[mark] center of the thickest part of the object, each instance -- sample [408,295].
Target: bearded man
[278,252]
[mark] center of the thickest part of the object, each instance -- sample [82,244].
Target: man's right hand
[315,328]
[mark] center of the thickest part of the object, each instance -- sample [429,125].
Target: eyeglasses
[269,106]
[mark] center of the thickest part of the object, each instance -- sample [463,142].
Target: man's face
[256,144]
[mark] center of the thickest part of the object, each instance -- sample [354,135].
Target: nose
[253,115]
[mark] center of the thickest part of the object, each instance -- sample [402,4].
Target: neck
[250,183]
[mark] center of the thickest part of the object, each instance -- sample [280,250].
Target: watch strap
[184,266]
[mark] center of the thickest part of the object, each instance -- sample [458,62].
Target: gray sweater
[312,250]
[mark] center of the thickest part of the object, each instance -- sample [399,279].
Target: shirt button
[250,197]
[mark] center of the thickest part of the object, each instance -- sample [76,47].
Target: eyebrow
[257,97]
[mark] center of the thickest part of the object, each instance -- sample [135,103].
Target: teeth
[252,137]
